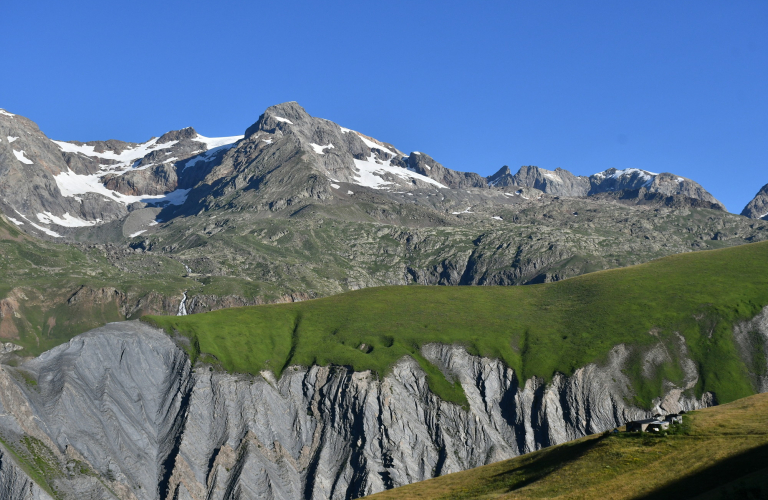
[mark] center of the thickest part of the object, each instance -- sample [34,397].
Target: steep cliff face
[15,484]
[123,413]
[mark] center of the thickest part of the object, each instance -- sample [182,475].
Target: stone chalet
[655,424]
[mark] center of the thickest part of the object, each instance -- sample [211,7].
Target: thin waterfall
[183,305]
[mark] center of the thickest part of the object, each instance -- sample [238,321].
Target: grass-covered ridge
[720,452]
[538,330]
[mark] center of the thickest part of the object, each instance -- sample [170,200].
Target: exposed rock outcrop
[757,208]
[15,484]
[125,401]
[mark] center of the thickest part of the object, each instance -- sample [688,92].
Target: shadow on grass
[545,463]
[725,476]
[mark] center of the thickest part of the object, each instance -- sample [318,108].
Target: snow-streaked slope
[646,175]
[125,159]
[217,142]
[66,220]
[369,174]
[20,156]
[74,185]
[214,145]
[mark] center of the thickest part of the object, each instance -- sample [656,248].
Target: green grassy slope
[720,452]
[37,279]
[538,330]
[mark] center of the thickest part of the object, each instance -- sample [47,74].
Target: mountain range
[361,390]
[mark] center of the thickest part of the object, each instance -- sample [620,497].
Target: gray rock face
[633,179]
[758,207]
[425,165]
[15,484]
[634,182]
[752,339]
[556,182]
[124,401]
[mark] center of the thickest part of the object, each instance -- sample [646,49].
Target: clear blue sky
[676,86]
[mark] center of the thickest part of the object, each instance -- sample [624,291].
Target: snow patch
[214,146]
[71,184]
[345,130]
[319,149]
[618,174]
[137,233]
[17,222]
[217,142]
[11,139]
[335,186]
[4,112]
[268,141]
[20,156]
[124,159]
[375,145]
[496,217]
[369,174]
[281,119]
[46,231]
[550,175]
[350,192]
[66,220]
[464,212]
[416,153]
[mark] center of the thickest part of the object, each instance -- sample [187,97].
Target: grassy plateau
[537,330]
[719,452]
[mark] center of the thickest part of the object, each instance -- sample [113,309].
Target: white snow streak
[71,185]
[20,156]
[217,142]
[369,174]
[17,222]
[281,119]
[125,159]
[214,145]
[66,220]
[319,149]
[374,145]
[464,212]
[46,231]
[4,112]
[137,233]
[335,186]
[11,139]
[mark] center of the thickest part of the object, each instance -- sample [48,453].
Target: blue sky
[666,86]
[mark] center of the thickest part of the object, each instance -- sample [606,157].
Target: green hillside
[538,330]
[38,280]
[718,453]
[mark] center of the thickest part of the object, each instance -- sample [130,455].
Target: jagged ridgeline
[672,315]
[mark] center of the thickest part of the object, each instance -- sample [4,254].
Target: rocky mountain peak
[177,135]
[278,117]
[758,207]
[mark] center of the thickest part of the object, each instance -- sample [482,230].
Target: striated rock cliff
[15,484]
[122,413]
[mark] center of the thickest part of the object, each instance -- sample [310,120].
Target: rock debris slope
[121,413]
